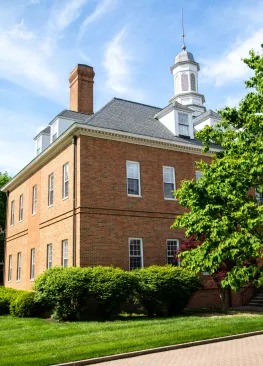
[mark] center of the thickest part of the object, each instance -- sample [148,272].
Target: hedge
[165,290]
[7,295]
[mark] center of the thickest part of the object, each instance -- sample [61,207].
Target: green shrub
[66,289]
[111,287]
[165,290]
[24,305]
[7,295]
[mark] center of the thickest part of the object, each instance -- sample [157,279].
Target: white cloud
[118,63]
[102,8]
[22,63]
[230,67]
[62,17]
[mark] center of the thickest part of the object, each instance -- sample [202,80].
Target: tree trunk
[223,300]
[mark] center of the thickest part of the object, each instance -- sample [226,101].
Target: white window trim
[141,247]
[10,268]
[49,185]
[32,263]
[21,207]
[64,181]
[48,258]
[12,218]
[139,179]
[63,253]
[167,198]
[18,268]
[177,248]
[34,200]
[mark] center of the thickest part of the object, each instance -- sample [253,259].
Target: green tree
[222,207]
[4,178]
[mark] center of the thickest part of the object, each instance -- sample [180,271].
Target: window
[55,131]
[10,268]
[12,218]
[38,145]
[177,87]
[183,124]
[64,253]
[172,246]
[21,207]
[18,272]
[184,82]
[49,256]
[259,197]
[65,180]
[198,175]
[32,264]
[51,189]
[135,253]
[193,83]
[133,178]
[34,207]
[168,182]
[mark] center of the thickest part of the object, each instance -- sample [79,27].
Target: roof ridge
[99,111]
[131,101]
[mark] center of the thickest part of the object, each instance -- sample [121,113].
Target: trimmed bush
[7,295]
[165,290]
[111,287]
[24,305]
[66,289]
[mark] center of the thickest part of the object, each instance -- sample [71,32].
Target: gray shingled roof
[205,115]
[76,116]
[45,131]
[136,118]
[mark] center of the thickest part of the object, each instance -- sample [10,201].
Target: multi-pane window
[65,180]
[172,247]
[135,253]
[10,268]
[198,175]
[55,131]
[34,205]
[64,253]
[39,146]
[32,264]
[21,207]
[51,189]
[193,82]
[133,178]
[18,272]
[12,218]
[49,256]
[168,182]
[183,123]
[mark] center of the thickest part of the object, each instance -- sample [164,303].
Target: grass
[42,342]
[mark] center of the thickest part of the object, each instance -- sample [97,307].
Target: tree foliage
[4,178]
[222,206]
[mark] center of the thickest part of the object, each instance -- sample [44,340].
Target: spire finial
[183,46]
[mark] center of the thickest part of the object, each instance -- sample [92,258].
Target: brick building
[98,191]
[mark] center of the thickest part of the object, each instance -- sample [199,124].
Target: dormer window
[39,145]
[184,82]
[193,82]
[55,131]
[183,123]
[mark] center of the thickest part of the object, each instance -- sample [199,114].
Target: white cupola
[185,73]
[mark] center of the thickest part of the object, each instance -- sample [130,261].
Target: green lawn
[42,342]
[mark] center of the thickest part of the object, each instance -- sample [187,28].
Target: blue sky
[130,44]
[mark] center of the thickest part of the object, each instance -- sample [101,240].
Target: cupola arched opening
[193,82]
[184,82]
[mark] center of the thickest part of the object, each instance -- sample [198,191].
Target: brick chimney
[81,89]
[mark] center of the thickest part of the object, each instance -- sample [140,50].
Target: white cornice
[78,129]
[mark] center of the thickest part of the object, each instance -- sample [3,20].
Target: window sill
[170,199]
[11,225]
[49,206]
[34,214]
[20,221]
[32,280]
[134,195]
[17,281]
[65,198]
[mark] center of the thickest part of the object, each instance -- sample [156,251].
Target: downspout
[7,200]
[74,249]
